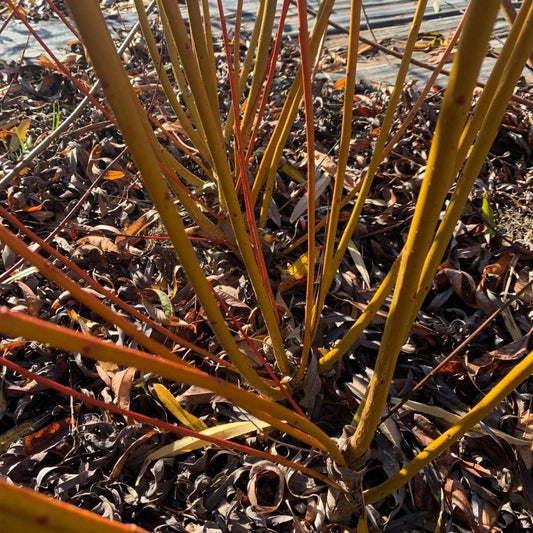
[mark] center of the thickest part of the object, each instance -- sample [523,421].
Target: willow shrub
[223,145]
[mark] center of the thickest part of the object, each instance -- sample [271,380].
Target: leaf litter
[84,193]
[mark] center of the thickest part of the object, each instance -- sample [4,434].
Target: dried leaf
[294,274]
[463,285]
[359,263]
[301,206]
[460,502]
[139,226]
[230,430]
[48,436]
[21,430]
[496,271]
[339,84]
[266,487]
[230,295]
[111,175]
[121,383]
[19,135]
[170,402]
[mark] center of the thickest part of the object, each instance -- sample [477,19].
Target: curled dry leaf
[266,487]
[524,277]
[121,383]
[463,285]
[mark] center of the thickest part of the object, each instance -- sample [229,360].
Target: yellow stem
[269,163]
[515,377]
[179,76]
[344,152]
[331,264]
[278,416]
[203,55]
[483,124]
[429,85]
[439,174]
[22,509]
[215,140]
[192,134]
[329,359]
[135,129]
[306,68]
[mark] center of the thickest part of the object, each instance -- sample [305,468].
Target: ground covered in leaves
[83,195]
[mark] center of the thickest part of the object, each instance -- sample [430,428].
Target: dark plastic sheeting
[389,19]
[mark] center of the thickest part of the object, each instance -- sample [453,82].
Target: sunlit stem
[362,322]
[344,152]
[306,66]
[482,127]
[265,295]
[429,85]
[439,174]
[136,131]
[269,164]
[191,132]
[280,417]
[274,55]
[507,385]
[331,264]
[251,255]
[203,53]
[256,57]
[23,509]
[181,80]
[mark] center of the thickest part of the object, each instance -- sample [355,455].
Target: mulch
[84,192]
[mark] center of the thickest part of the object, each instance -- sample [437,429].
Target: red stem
[166,426]
[108,294]
[60,65]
